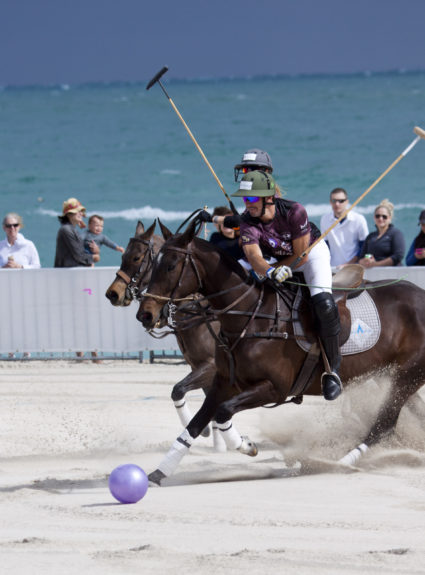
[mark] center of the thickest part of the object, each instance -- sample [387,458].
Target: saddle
[348,277]
[343,281]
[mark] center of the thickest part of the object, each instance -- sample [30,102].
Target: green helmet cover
[256,183]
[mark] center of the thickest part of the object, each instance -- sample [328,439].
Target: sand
[292,509]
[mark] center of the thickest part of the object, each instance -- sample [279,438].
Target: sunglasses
[339,201]
[383,216]
[12,225]
[250,199]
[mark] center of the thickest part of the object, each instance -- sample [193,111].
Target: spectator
[70,250]
[226,238]
[346,239]
[385,246]
[95,234]
[16,252]
[416,254]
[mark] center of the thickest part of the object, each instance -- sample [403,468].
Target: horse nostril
[112,296]
[145,317]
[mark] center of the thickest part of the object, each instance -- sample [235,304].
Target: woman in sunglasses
[280,228]
[16,252]
[385,246]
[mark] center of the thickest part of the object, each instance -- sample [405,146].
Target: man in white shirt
[346,238]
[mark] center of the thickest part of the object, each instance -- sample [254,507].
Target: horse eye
[136,259]
[171,267]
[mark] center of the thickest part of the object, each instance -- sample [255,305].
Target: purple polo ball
[128,483]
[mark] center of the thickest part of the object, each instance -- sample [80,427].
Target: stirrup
[331,385]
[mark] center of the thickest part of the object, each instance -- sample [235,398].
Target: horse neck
[222,284]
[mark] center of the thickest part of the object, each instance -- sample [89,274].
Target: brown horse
[194,338]
[257,357]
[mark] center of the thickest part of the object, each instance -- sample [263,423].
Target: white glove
[279,274]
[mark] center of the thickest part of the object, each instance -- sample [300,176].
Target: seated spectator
[16,252]
[95,234]
[346,239]
[416,254]
[70,250]
[385,246]
[226,238]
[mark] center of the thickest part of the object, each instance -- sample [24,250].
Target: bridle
[189,260]
[132,283]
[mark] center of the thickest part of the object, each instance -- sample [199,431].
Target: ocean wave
[169,171]
[150,213]
[131,214]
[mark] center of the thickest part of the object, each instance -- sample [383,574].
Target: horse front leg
[198,378]
[184,441]
[263,393]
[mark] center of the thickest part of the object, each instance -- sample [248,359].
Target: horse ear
[149,232]
[190,232]
[140,229]
[167,234]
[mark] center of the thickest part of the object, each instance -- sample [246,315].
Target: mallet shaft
[157,78]
[420,134]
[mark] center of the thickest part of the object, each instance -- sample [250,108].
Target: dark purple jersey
[275,238]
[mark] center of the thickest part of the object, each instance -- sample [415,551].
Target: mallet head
[157,77]
[419,132]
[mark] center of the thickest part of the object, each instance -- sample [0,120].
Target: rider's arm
[299,245]
[255,258]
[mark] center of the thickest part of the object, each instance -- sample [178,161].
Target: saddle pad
[365,325]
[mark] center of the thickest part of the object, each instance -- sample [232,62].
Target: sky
[78,41]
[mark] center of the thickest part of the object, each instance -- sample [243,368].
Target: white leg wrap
[231,435]
[183,411]
[354,455]
[218,441]
[175,454]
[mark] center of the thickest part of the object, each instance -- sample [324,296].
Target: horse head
[175,275]
[136,265]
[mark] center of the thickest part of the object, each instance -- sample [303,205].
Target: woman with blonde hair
[16,252]
[385,246]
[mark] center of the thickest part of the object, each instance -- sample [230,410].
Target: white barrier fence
[64,310]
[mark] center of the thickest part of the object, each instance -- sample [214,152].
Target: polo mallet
[157,79]
[420,133]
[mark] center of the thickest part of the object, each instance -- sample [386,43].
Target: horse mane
[230,261]
[183,239]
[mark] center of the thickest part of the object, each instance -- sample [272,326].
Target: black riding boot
[328,327]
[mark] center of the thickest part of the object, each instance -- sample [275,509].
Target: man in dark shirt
[226,238]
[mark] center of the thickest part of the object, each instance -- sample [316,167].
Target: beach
[292,509]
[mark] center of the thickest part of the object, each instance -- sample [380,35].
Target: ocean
[124,153]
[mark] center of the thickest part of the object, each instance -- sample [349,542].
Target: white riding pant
[317,269]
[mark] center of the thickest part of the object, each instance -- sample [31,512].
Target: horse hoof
[248,447]
[206,431]
[155,478]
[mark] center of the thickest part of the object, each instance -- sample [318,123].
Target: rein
[132,283]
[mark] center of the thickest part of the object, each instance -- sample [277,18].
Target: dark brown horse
[194,338]
[257,339]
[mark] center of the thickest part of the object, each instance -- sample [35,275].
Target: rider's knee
[326,312]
